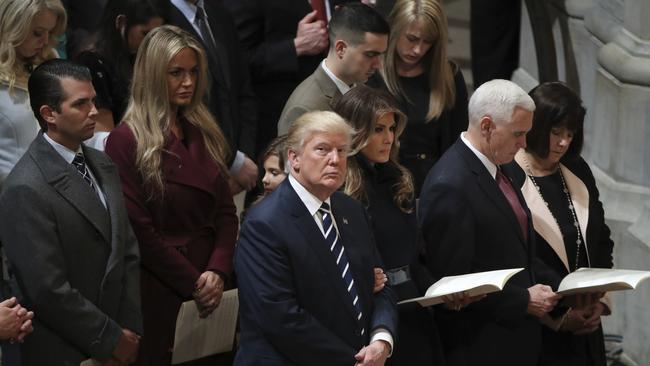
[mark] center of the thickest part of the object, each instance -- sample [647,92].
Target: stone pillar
[618,146]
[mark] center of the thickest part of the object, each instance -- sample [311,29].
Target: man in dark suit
[66,232]
[284,41]
[358,37]
[473,220]
[231,96]
[305,263]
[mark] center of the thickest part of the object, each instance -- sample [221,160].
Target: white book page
[474,284]
[586,280]
[196,337]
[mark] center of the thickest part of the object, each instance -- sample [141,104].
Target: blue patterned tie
[337,249]
[79,162]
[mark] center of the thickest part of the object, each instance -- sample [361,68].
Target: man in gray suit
[358,37]
[66,233]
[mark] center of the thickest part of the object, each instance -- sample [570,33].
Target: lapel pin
[345,221]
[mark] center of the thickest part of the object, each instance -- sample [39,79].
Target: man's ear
[120,24]
[47,113]
[340,46]
[294,160]
[487,126]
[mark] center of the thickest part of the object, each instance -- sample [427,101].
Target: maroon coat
[192,229]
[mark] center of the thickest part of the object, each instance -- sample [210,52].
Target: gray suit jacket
[316,93]
[75,262]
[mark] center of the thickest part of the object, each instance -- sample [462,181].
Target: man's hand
[311,36]
[374,354]
[246,177]
[542,300]
[380,280]
[126,350]
[209,289]
[459,300]
[15,320]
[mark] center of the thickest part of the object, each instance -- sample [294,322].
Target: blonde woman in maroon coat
[170,154]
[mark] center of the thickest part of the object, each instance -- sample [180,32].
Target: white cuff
[237,163]
[381,334]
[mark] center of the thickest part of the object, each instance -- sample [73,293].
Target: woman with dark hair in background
[171,156]
[385,188]
[110,57]
[429,88]
[569,221]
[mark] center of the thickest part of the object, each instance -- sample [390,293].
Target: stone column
[618,146]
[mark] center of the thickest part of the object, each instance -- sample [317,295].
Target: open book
[473,284]
[586,280]
[196,337]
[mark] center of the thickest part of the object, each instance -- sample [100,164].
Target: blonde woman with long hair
[385,188]
[429,88]
[28,31]
[171,157]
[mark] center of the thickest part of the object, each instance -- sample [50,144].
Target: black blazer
[266,30]
[469,226]
[550,248]
[294,307]
[232,100]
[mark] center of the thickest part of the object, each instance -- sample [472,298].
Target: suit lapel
[327,86]
[107,176]
[489,185]
[315,240]
[64,179]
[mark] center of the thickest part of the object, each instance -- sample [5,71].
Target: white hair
[498,99]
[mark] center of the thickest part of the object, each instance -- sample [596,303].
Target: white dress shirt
[490,166]
[340,84]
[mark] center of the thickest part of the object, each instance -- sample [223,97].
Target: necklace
[567,194]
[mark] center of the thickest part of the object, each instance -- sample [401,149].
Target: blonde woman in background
[28,31]
[428,87]
[171,157]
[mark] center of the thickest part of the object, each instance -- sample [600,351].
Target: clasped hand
[15,320]
[542,300]
[209,289]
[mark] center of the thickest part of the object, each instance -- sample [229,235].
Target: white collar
[340,84]
[188,9]
[67,154]
[490,166]
[311,202]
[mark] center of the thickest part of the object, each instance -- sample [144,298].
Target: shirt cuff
[237,163]
[382,334]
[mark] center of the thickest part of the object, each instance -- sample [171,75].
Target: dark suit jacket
[550,248]
[266,30]
[294,307]
[469,226]
[316,93]
[232,100]
[192,229]
[75,262]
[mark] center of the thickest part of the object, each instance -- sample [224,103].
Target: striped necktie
[338,251]
[79,162]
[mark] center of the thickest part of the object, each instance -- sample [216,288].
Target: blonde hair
[437,67]
[362,107]
[148,112]
[16,17]
[310,123]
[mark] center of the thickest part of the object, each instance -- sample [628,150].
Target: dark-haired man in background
[358,37]
[66,232]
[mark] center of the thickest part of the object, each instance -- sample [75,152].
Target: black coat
[267,30]
[562,348]
[468,226]
[396,237]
